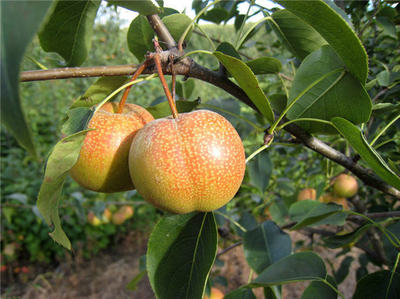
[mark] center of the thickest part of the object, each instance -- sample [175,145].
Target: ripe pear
[103,161]
[195,162]
[215,293]
[106,217]
[345,186]
[123,214]
[308,193]
[93,219]
[328,197]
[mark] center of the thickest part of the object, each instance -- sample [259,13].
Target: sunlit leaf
[68,30]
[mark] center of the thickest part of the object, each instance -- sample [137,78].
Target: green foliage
[68,30]
[299,37]
[296,267]
[181,251]
[338,95]
[13,44]
[367,153]
[246,80]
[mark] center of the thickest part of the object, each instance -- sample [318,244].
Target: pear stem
[157,61]
[126,92]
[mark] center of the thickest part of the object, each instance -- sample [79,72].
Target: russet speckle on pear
[103,160]
[193,163]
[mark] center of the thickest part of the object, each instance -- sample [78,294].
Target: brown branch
[162,31]
[229,248]
[78,72]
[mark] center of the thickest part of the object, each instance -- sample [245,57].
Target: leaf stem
[303,92]
[259,150]
[122,88]
[250,30]
[237,44]
[182,38]
[126,92]
[392,274]
[376,224]
[384,129]
[303,119]
[231,220]
[206,36]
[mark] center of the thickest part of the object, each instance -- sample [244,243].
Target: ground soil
[106,275]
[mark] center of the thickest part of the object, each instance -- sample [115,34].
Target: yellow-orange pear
[123,213]
[93,219]
[103,161]
[345,186]
[308,193]
[327,198]
[195,162]
[215,293]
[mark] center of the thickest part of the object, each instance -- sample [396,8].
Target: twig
[229,248]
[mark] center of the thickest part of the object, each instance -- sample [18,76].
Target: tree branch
[189,68]
[78,72]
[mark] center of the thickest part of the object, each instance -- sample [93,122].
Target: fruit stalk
[126,92]
[171,102]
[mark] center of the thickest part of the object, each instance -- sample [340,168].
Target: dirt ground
[106,275]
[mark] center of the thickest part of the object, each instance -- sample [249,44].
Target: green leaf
[181,252]
[376,285]
[296,267]
[264,65]
[265,245]
[19,22]
[140,33]
[185,88]
[338,241]
[177,24]
[299,209]
[319,289]
[389,28]
[68,30]
[99,90]
[357,140]
[300,38]
[383,78]
[215,15]
[260,170]
[335,30]
[163,109]
[139,37]
[338,95]
[241,293]
[144,7]
[63,157]
[248,82]
[320,212]
[278,102]
[78,120]
[228,49]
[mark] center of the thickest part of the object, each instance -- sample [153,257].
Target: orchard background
[310,86]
